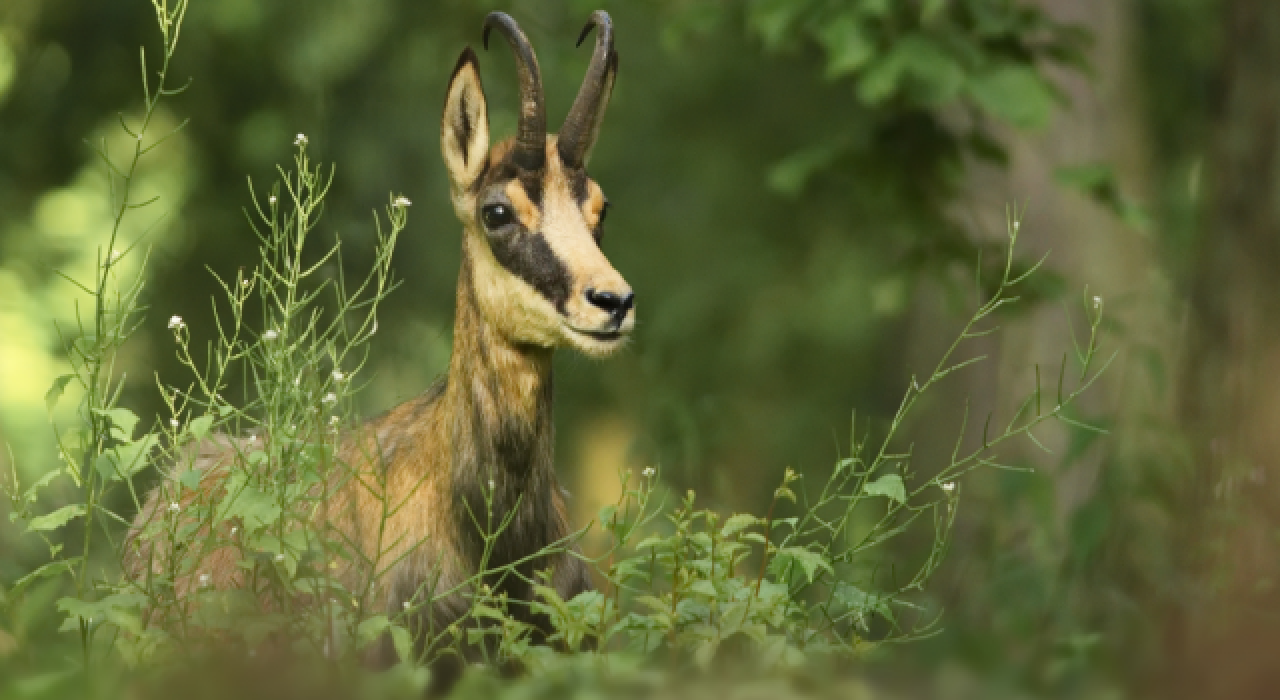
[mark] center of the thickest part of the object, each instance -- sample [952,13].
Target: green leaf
[607,514]
[123,461]
[704,588]
[738,523]
[191,479]
[122,420]
[200,426]
[890,486]
[774,20]
[53,568]
[56,519]
[55,392]
[918,63]
[1013,93]
[255,508]
[790,175]
[929,9]
[808,560]
[1099,182]
[848,46]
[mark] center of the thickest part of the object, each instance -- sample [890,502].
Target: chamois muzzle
[616,304]
[583,121]
[531,133]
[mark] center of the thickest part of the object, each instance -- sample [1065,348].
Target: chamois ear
[464,131]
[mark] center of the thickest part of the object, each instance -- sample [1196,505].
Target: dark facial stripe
[528,256]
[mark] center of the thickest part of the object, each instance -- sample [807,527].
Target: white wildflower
[333,420]
[1017,225]
[301,140]
[401,202]
[174,507]
[279,557]
[949,486]
[173,422]
[244,283]
[405,605]
[115,255]
[234,530]
[648,472]
[176,322]
[270,335]
[375,327]
[330,397]
[338,375]
[1097,302]
[491,484]
[204,579]
[272,198]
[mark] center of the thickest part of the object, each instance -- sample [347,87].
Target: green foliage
[816,576]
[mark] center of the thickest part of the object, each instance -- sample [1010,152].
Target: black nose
[616,304]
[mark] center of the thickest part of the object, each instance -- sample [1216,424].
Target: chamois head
[533,218]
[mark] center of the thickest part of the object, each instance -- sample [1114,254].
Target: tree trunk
[1222,637]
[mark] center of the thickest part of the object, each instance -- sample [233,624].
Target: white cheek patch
[509,303]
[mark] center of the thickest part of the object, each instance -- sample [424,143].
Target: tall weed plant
[682,584]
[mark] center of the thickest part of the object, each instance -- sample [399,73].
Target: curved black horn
[580,126]
[531,134]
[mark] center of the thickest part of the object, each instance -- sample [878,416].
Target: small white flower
[333,420]
[279,557]
[173,422]
[244,283]
[204,579]
[338,375]
[270,335]
[176,322]
[174,507]
[1097,302]
[401,202]
[330,398]
[1017,225]
[949,486]
[491,484]
[375,327]
[115,255]
[301,140]
[648,472]
[272,198]
[253,439]
[234,530]
[405,605]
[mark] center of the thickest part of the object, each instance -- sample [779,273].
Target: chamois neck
[502,436]
[503,387]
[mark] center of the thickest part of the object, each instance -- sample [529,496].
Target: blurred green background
[801,190]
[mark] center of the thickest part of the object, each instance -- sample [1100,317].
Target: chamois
[532,279]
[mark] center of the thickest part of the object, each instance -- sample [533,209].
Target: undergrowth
[683,584]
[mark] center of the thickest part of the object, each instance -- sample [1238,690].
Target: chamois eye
[599,232]
[496,215]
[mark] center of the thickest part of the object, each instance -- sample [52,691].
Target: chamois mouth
[602,336]
[597,342]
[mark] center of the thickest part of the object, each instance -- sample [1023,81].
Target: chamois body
[532,279]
